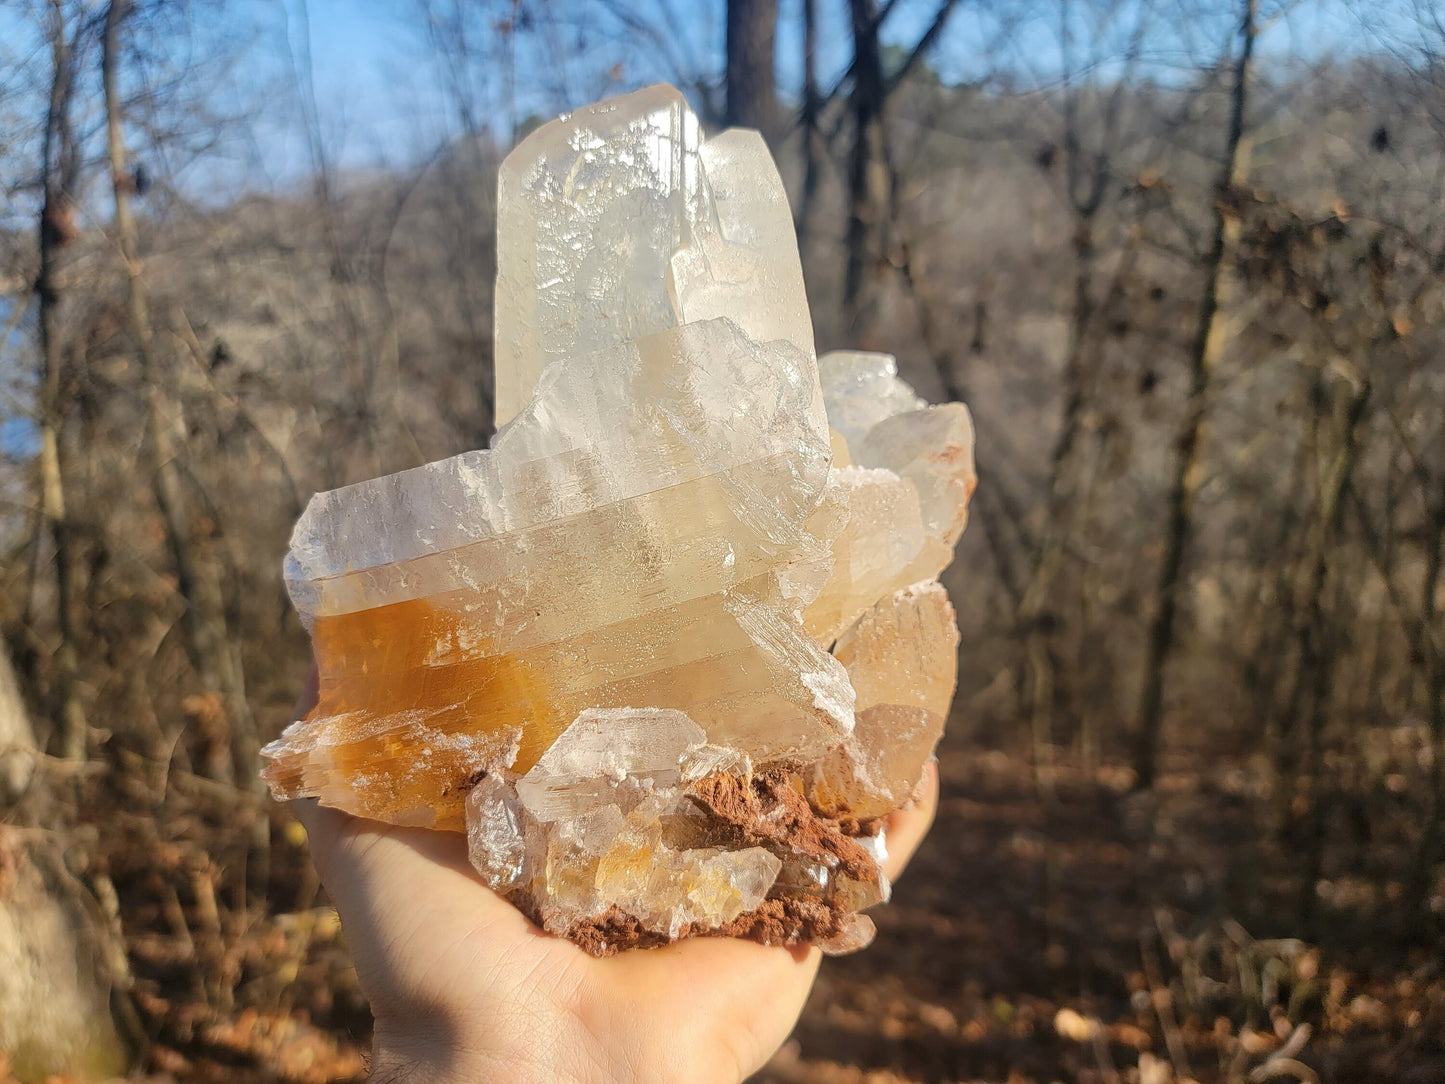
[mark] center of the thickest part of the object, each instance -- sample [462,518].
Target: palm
[451,966]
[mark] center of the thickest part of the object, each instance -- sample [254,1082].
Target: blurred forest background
[1185,259]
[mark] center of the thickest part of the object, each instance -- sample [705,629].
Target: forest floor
[1109,937]
[1094,936]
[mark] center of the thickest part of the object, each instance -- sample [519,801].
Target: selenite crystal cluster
[672,648]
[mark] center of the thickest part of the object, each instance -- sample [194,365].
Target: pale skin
[464,988]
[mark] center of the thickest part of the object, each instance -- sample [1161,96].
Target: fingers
[395,887]
[906,828]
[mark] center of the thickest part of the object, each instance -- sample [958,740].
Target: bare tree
[808,122]
[1319,635]
[1091,183]
[869,195]
[60,961]
[60,167]
[216,651]
[1428,640]
[752,95]
[1210,337]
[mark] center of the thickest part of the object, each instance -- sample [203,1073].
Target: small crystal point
[495,843]
[857,933]
[861,389]
[600,751]
[666,646]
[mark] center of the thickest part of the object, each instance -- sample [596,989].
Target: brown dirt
[786,922]
[1121,909]
[614,932]
[783,922]
[1136,914]
[770,808]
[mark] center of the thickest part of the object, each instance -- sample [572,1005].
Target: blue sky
[378,93]
[377,90]
[379,100]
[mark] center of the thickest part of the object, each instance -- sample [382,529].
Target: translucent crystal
[903,662]
[623,542]
[907,483]
[495,843]
[861,389]
[884,536]
[599,802]
[857,933]
[670,890]
[670,648]
[600,752]
[619,221]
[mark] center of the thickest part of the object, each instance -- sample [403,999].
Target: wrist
[403,1057]
[438,1055]
[429,1055]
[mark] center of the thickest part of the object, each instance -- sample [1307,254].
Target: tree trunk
[59,171]
[752,93]
[58,956]
[1209,340]
[214,650]
[1428,637]
[1319,643]
[871,202]
[1276,609]
[867,173]
[1037,616]
[18,751]
[809,124]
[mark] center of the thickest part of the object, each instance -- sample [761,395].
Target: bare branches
[1209,341]
[926,41]
[216,652]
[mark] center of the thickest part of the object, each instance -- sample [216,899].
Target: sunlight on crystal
[673,645]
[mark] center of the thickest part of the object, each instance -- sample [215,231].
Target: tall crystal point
[619,221]
[624,647]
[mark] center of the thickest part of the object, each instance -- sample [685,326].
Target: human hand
[463,987]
